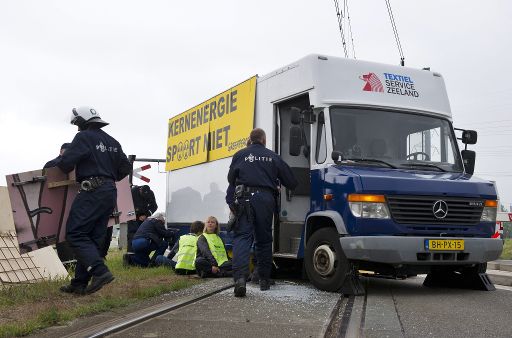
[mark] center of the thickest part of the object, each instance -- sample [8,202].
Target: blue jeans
[86,229]
[260,230]
[142,248]
[162,260]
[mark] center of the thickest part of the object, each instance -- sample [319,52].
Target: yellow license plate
[444,244]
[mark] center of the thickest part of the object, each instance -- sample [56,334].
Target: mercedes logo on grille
[440,209]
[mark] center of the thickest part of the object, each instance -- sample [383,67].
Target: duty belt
[92,183]
[243,189]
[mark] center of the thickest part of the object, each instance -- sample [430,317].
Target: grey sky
[140,62]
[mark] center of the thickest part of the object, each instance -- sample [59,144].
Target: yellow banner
[215,129]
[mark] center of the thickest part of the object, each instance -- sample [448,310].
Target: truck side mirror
[469,136]
[295,140]
[295,115]
[468,157]
[309,115]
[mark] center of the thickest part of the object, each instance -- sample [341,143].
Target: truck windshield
[392,139]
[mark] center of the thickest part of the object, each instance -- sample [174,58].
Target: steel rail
[132,319]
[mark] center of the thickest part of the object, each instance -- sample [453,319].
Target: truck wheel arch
[323,219]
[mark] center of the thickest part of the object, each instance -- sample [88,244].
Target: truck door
[296,204]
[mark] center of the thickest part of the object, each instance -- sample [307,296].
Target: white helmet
[82,116]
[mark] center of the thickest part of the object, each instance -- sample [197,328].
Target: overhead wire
[395,32]
[350,30]
[340,25]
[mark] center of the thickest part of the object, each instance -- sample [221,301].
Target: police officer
[255,172]
[53,162]
[145,205]
[99,161]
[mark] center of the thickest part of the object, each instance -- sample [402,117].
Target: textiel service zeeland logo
[372,84]
[394,84]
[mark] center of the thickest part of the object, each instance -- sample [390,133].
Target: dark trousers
[184,271]
[203,265]
[107,241]
[64,252]
[260,230]
[142,248]
[86,229]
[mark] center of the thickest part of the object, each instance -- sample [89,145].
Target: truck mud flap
[451,279]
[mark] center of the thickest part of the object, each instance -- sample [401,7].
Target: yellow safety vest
[186,255]
[216,247]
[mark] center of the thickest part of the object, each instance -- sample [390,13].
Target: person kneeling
[151,236]
[212,259]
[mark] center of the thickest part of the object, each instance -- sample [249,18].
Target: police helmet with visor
[83,116]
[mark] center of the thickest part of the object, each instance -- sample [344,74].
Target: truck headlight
[489,212]
[368,206]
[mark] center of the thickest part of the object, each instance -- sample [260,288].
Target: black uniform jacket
[154,230]
[144,201]
[95,153]
[52,163]
[257,166]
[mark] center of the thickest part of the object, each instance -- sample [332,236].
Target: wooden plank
[60,183]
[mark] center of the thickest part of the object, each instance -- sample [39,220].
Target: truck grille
[420,210]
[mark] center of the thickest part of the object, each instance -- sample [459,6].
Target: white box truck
[383,185]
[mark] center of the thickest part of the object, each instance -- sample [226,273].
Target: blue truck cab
[383,184]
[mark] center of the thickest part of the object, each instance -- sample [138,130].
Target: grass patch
[507,249]
[30,307]
[20,294]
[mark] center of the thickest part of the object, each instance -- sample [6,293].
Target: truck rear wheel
[324,260]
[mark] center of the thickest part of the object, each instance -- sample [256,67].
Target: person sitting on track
[212,259]
[183,255]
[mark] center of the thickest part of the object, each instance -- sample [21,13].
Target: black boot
[97,282]
[76,289]
[264,284]
[240,287]
[255,277]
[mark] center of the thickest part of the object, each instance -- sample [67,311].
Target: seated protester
[212,258]
[183,254]
[151,236]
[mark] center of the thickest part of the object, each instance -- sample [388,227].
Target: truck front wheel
[324,260]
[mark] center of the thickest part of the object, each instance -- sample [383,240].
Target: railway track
[347,318]
[107,328]
[296,309]
[358,316]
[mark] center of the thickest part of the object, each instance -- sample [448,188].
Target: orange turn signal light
[491,203]
[366,198]
[328,197]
